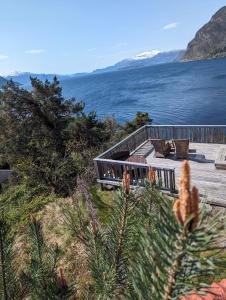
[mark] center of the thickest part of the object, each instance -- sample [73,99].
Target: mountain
[2,81]
[144,55]
[145,59]
[210,40]
[23,78]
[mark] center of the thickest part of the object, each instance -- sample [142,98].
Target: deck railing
[111,171]
[195,133]
[130,143]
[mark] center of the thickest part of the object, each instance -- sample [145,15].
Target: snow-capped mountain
[145,59]
[12,73]
[145,55]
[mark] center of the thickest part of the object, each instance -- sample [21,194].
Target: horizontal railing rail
[130,143]
[195,133]
[112,171]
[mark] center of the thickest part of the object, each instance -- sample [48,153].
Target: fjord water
[175,93]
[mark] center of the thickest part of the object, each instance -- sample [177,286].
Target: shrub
[19,201]
[152,247]
[44,137]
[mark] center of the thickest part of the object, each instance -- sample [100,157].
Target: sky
[70,36]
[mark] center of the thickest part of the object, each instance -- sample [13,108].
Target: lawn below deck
[210,181]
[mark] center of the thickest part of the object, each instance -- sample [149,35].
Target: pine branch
[121,233]
[38,243]
[42,276]
[10,284]
[170,261]
[3,262]
[174,269]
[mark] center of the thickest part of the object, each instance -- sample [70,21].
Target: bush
[141,119]
[45,138]
[20,201]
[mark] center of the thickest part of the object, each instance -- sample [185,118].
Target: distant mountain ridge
[2,81]
[23,78]
[140,61]
[144,59]
[210,40]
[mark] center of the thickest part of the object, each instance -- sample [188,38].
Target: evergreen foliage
[145,252]
[41,277]
[172,260]
[11,287]
[20,201]
[41,133]
[141,119]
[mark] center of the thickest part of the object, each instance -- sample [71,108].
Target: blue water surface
[175,93]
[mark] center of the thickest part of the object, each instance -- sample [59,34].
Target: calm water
[176,93]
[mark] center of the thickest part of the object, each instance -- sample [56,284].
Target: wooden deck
[204,144]
[210,181]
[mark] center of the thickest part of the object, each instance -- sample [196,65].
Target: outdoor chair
[181,148]
[162,149]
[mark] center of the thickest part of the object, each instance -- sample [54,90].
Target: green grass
[103,203]
[18,202]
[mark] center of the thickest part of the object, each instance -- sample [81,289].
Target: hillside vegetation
[63,238]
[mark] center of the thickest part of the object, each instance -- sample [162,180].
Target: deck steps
[143,150]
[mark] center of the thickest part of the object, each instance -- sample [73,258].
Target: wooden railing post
[96,167]
[172,181]
[146,132]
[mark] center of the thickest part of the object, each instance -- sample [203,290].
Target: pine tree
[46,139]
[154,247]
[110,247]
[175,253]
[141,119]
[42,277]
[10,286]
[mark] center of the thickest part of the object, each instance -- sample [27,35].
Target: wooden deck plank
[209,180]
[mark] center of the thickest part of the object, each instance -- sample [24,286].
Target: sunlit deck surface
[210,181]
[205,144]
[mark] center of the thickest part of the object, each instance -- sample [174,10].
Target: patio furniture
[181,148]
[162,149]
[220,162]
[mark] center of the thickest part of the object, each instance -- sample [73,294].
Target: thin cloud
[170,26]
[34,51]
[2,56]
